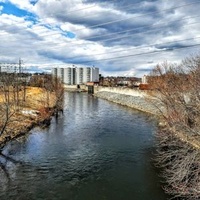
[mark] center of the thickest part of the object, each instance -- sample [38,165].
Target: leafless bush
[9,100]
[54,85]
[177,88]
[181,166]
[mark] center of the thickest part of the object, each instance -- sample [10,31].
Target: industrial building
[76,75]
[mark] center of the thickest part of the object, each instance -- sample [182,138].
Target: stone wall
[129,97]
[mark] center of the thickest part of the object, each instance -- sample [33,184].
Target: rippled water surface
[96,151]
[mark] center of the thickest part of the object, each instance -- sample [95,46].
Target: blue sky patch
[133,28]
[11,9]
[68,34]
[64,33]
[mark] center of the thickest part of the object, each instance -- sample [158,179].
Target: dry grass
[36,98]
[20,123]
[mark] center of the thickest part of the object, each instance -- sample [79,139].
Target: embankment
[133,98]
[178,155]
[29,113]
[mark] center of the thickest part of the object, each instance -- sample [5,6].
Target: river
[97,150]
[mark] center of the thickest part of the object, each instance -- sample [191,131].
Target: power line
[123,7]
[73,11]
[113,38]
[167,9]
[139,54]
[146,31]
[86,8]
[126,56]
[120,20]
[140,27]
[119,58]
[115,21]
[146,46]
[129,30]
[125,36]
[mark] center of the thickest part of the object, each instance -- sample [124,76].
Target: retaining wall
[122,90]
[129,97]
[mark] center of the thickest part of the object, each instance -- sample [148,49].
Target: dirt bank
[36,110]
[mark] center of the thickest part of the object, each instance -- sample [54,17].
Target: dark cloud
[77,31]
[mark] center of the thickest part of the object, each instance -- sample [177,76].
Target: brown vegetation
[178,89]
[180,164]
[22,107]
[143,86]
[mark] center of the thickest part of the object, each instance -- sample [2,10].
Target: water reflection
[96,150]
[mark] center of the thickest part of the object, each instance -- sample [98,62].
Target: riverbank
[34,111]
[140,100]
[87,154]
[134,99]
[177,149]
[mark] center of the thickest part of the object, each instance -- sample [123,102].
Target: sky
[120,37]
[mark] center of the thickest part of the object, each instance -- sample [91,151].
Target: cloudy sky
[121,37]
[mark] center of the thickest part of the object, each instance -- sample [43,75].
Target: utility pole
[18,80]
[20,65]
[23,76]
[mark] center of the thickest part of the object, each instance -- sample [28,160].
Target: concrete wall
[70,87]
[121,90]
[74,87]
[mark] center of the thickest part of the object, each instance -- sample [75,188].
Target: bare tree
[11,99]
[181,165]
[48,101]
[177,88]
[8,104]
[52,87]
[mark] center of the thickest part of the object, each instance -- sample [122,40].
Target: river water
[97,150]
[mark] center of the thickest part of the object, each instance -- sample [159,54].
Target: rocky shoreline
[137,102]
[177,152]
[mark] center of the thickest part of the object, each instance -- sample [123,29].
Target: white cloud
[25,4]
[43,43]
